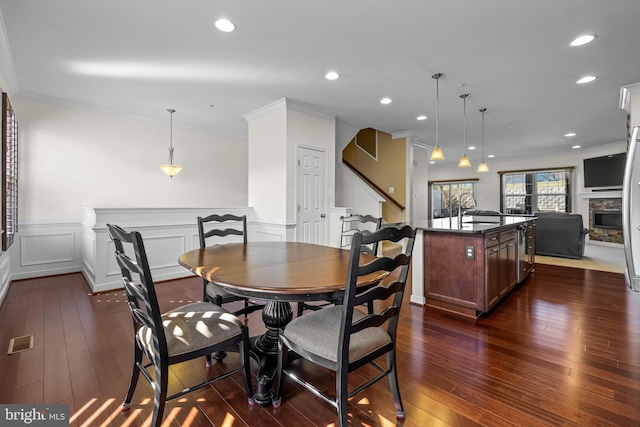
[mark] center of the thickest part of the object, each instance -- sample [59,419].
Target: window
[528,192]
[445,197]
[9,173]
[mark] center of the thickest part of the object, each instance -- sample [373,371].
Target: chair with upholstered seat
[349,225]
[344,338]
[191,331]
[212,292]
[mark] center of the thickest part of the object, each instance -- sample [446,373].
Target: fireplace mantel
[613,194]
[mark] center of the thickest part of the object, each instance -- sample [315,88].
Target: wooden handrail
[373,184]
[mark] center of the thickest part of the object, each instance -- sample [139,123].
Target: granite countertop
[473,224]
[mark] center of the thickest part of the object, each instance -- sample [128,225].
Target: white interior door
[311,196]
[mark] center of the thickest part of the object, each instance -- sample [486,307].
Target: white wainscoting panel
[47,249]
[167,234]
[272,231]
[5,274]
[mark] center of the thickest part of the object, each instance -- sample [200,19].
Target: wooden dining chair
[212,292]
[354,223]
[184,333]
[349,225]
[344,338]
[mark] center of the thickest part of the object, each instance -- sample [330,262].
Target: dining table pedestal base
[264,348]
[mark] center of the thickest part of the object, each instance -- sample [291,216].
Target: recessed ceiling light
[471,147]
[332,75]
[422,117]
[583,40]
[575,146]
[586,79]
[570,134]
[385,101]
[225,25]
[491,155]
[432,162]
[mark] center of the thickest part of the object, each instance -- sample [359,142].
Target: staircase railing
[373,185]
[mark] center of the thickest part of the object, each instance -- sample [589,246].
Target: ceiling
[138,58]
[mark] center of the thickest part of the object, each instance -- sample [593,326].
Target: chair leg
[205,297]
[137,358]
[246,308]
[283,356]
[246,364]
[341,397]
[300,308]
[393,384]
[160,395]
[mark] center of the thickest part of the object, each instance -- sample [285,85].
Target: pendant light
[437,151]
[464,160]
[482,167]
[171,169]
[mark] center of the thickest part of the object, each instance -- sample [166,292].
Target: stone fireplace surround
[603,201]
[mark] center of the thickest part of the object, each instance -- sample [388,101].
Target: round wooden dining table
[278,272]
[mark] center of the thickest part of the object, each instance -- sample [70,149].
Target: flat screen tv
[605,171]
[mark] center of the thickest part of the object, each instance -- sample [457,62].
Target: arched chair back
[214,229]
[354,223]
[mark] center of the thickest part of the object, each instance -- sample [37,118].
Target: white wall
[420,190]
[69,159]
[268,165]
[72,158]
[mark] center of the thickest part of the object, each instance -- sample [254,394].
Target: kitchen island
[471,264]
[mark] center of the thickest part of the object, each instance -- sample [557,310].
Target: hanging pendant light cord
[464,115]
[437,151]
[483,110]
[171,111]
[437,107]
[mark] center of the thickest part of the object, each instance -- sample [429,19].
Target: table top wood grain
[288,271]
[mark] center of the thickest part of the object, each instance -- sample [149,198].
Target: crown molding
[284,103]
[625,96]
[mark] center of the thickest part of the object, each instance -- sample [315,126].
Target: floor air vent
[19,344]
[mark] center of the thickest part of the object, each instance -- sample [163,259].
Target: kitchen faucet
[473,204]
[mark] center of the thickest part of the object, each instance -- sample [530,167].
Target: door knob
[322,215]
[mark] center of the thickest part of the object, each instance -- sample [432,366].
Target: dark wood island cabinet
[470,267]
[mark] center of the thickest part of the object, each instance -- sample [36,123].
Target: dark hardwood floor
[562,349]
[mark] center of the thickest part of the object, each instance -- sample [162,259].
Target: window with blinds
[529,192]
[9,173]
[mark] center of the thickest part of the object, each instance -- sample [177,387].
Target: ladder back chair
[349,225]
[212,292]
[187,332]
[344,338]
[354,223]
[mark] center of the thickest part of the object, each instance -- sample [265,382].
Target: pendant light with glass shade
[482,167]
[437,151]
[169,168]
[464,160]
